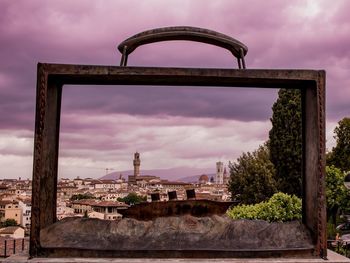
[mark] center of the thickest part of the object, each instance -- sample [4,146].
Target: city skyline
[194,136]
[102,130]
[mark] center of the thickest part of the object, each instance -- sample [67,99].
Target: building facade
[13,211]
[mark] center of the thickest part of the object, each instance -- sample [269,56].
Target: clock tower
[137,163]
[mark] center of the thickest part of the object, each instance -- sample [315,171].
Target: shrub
[9,222]
[132,199]
[82,196]
[279,208]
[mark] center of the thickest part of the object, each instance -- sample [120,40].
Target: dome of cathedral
[203,179]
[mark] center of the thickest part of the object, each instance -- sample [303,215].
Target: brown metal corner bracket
[238,49]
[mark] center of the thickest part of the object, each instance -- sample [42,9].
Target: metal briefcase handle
[238,49]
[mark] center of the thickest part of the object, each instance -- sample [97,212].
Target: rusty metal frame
[52,77]
[237,48]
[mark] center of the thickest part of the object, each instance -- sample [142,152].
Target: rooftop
[9,229]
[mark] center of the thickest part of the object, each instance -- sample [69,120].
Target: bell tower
[219,173]
[137,163]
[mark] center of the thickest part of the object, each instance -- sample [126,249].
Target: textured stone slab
[176,233]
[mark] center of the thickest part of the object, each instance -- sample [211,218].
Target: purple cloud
[298,34]
[227,103]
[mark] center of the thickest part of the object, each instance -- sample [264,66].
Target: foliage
[280,207]
[331,231]
[252,177]
[336,192]
[340,154]
[285,141]
[82,196]
[132,199]
[9,222]
[335,189]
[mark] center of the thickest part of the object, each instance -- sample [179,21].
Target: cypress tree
[285,141]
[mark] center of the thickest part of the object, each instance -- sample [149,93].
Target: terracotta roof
[9,229]
[5,202]
[174,183]
[85,202]
[110,204]
[95,182]
[108,182]
[14,202]
[66,186]
[24,199]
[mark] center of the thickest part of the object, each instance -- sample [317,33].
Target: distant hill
[172,174]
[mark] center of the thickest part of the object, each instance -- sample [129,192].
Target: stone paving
[332,258]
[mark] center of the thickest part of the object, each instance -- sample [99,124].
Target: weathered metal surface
[51,78]
[247,253]
[321,188]
[177,233]
[190,194]
[113,75]
[155,197]
[238,49]
[172,195]
[314,206]
[46,139]
[149,211]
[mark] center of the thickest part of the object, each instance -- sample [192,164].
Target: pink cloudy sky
[102,126]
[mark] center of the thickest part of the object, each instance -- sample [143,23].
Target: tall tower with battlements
[137,163]
[219,173]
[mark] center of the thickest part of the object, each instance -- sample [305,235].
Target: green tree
[132,199]
[285,141]
[9,222]
[336,193]
[82,196]
[340,154]
[252,177]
